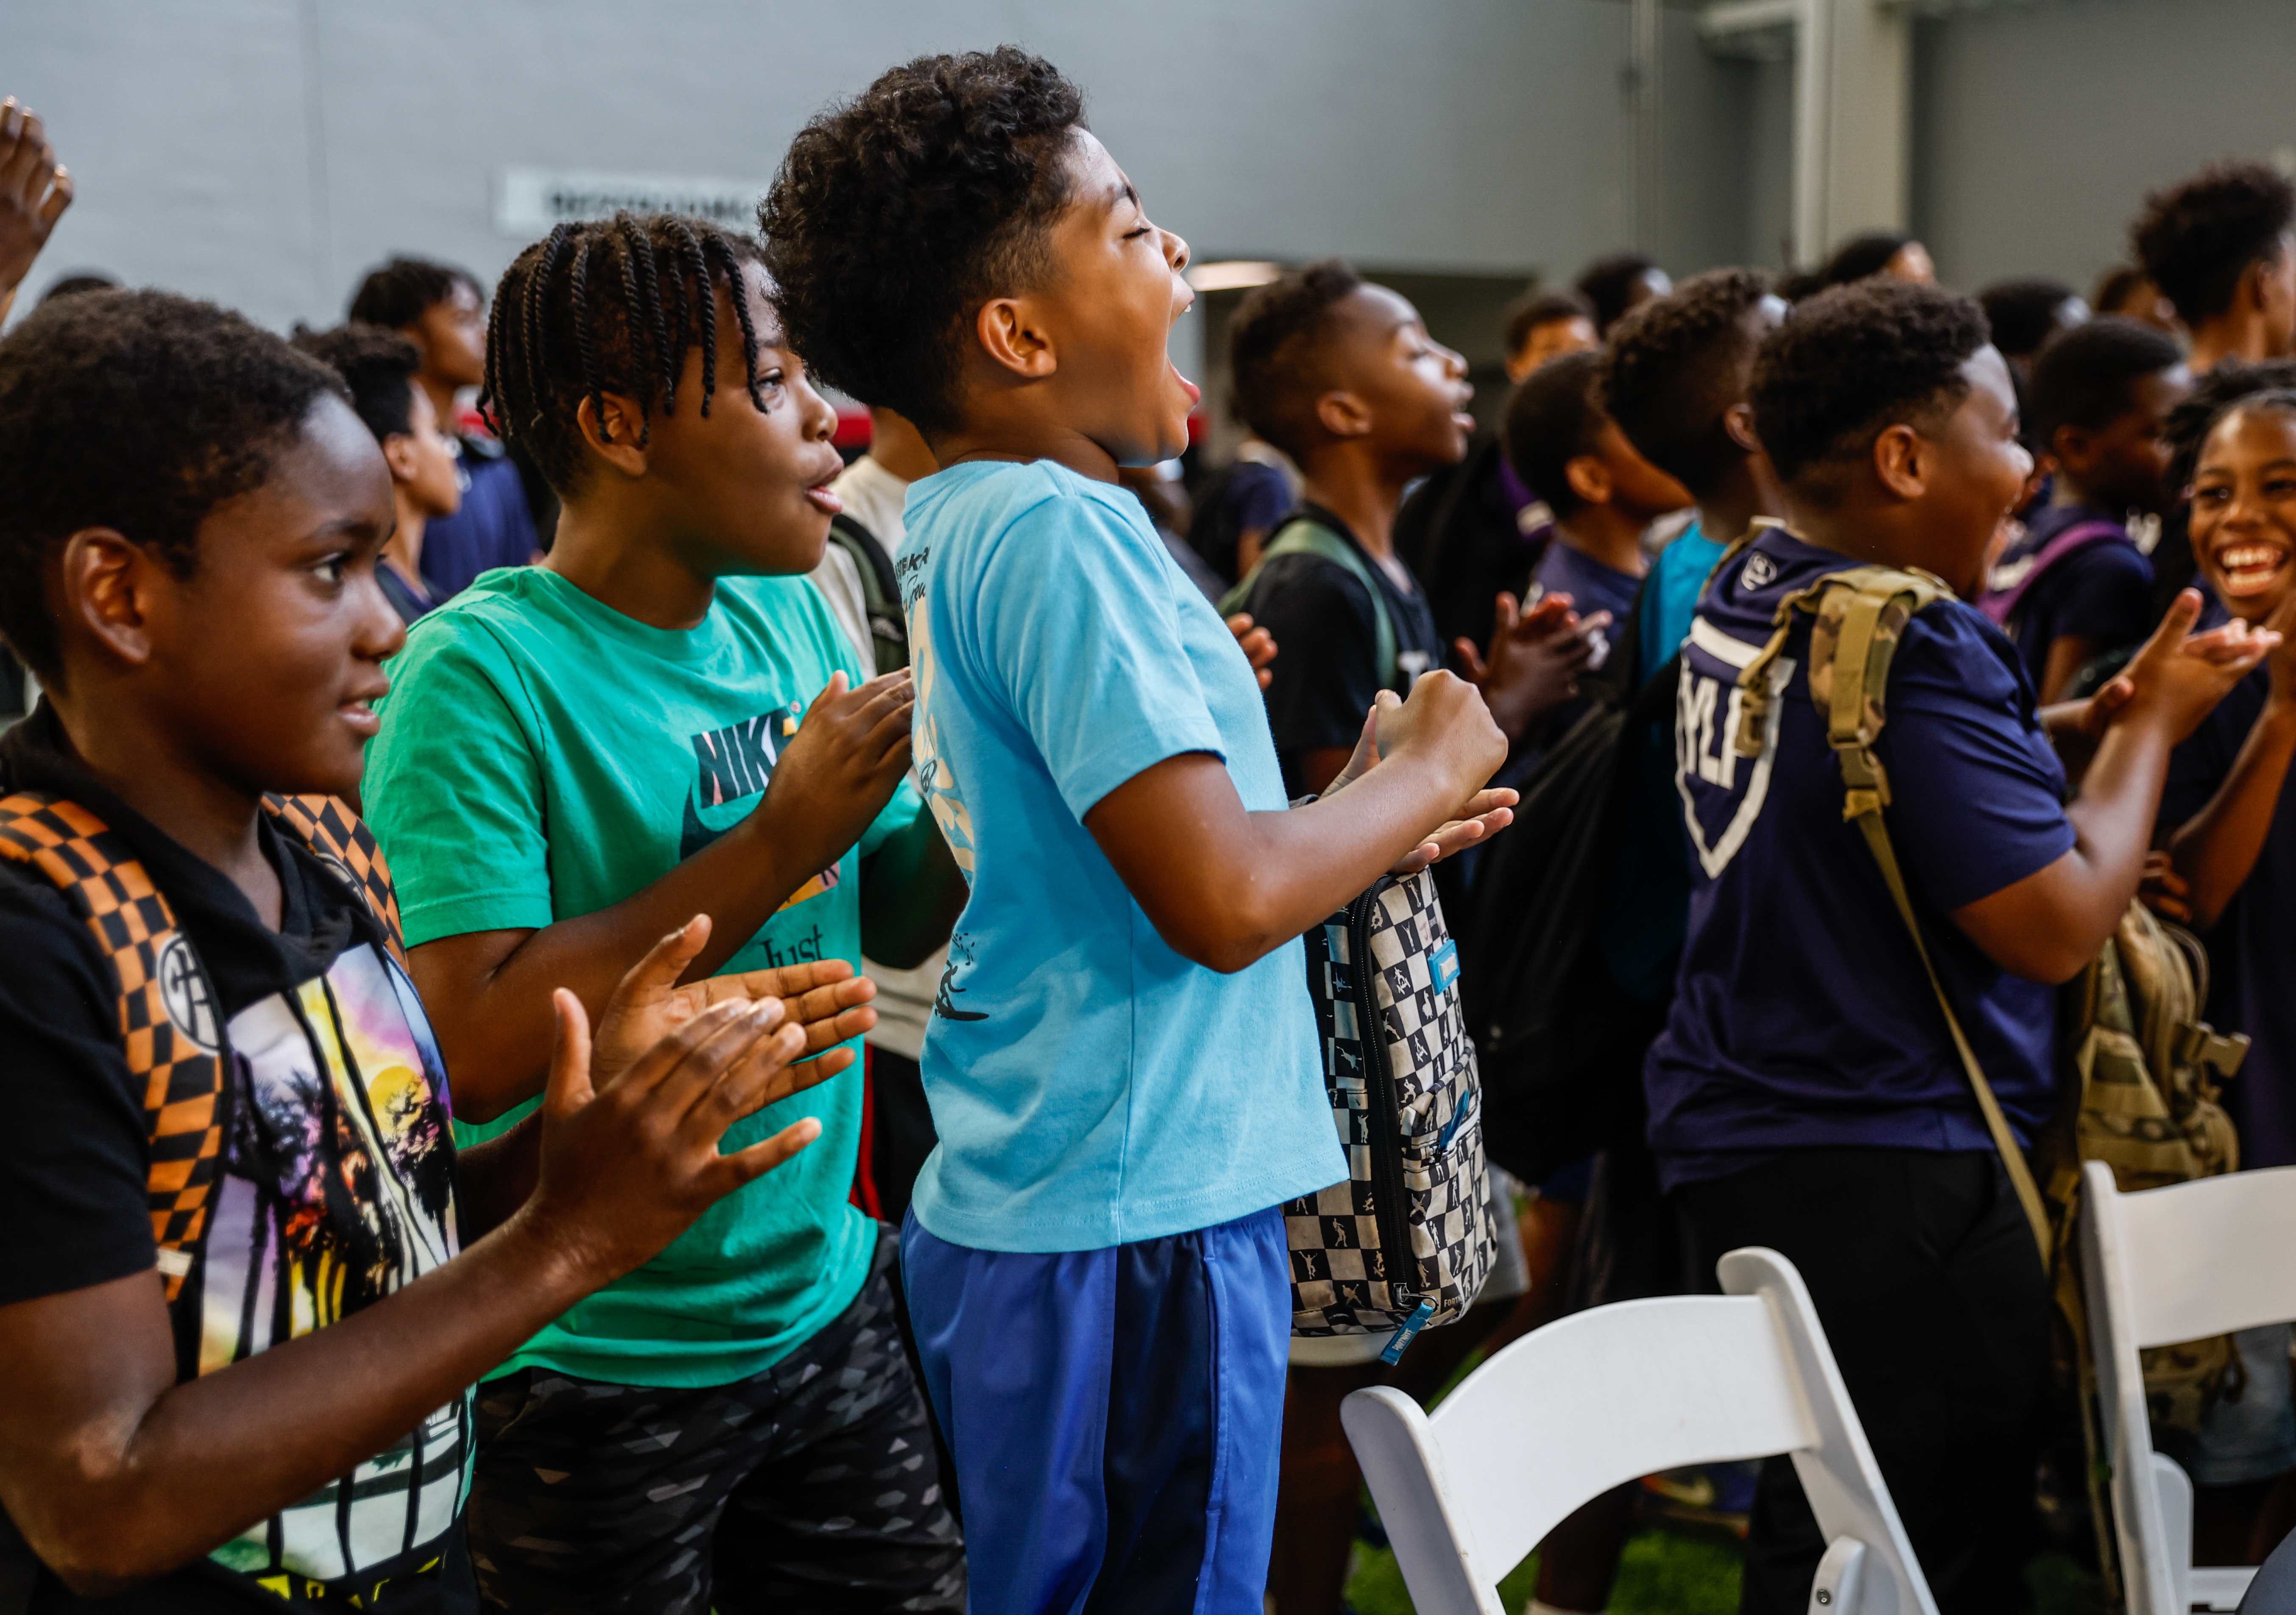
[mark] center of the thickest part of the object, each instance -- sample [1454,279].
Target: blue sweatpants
[1115,1415]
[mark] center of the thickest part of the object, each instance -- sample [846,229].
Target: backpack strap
[2006,588]
[170,1023]
[340,839]
[1304,535]
[1860,614]
[880,590]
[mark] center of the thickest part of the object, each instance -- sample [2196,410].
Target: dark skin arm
[2048,926]
[2069,653]
[1223,887]
[116,1473]
[2216,848]
[487,992]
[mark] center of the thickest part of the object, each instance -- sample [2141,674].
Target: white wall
[265,151]
[2040,127]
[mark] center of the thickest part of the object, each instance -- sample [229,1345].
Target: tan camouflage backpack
[2140,1096]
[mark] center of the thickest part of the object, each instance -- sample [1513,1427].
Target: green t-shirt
[543,756]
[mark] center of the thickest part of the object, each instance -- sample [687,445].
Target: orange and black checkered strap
[343,842]
[154,967]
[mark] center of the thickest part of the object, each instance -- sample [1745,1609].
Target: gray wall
[2040,126]
[265,151]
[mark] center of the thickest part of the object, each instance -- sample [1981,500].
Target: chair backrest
[1611,1393]
[2181,1263]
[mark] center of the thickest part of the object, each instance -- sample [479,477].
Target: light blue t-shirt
[1091,1087]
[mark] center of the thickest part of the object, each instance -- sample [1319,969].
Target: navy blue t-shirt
[2251,966]
[2101,592]
[494,528]
[1802,1017]
[1592,585]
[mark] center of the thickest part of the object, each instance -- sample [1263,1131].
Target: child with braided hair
[661,718]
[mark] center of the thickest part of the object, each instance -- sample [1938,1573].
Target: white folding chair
[2182,1263]
[1601,1397]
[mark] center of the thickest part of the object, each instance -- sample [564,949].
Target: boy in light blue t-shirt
[1122,1061]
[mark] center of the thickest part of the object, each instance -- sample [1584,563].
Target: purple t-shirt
[1802,1017]
[2101,592]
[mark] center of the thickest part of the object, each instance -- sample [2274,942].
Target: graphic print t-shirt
[336,1185]
[1802,1017]
[543,756]
[1091,1087]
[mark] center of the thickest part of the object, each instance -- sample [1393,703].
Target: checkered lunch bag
[1407,1241]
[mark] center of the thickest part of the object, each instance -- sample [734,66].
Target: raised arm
[35,190]
[488,992]
[116,1473]
[2216,848]
[2048,926]
[1224,886]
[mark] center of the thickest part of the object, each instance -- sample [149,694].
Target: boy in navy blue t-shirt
[1123,1065]
[1806,1094]
[2076,585]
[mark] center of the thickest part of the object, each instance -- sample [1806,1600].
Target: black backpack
[1545,1013]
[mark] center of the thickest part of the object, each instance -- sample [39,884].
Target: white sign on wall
[529,201]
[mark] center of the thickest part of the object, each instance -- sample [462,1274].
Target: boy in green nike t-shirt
[662,717]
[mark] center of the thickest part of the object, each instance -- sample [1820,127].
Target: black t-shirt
[1326,646]
[1460,533]
[335,1184]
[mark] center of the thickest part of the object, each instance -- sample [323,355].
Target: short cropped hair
[379,367]
[1855,360]
[2088,376]
[1676,364]
[2023,313]
[1862,256]
[402,290]
[1608,285]
[137,411]
[896,213]
[2196,240]
[1554,417]
[1533,310]
[1272,350]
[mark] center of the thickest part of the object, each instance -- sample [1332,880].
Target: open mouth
[2249,569]
[361,716]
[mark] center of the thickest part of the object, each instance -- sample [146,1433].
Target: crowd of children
[756,1063]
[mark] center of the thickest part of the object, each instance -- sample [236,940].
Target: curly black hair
[1556,416]
[379,365]
[1608,284]
[399,293]
[1854,361]
[610,306]
[1272,352]
[899,213]
[2086,376]
[1533,310]
[137,411]
[2023,313]
[2197,239]
[1676,365]
[2214,397]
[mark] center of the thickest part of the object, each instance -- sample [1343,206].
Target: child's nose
[1175,250]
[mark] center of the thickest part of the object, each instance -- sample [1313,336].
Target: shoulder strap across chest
[1303,536]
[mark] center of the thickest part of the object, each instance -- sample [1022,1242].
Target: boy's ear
[614,438]
[1738,425]
[399,454]
[106,583]
[1901,459]
[2069,447]
[1014,339]
[1343,414]
[1588,478]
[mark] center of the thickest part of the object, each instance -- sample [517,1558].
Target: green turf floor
[1664,1572]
